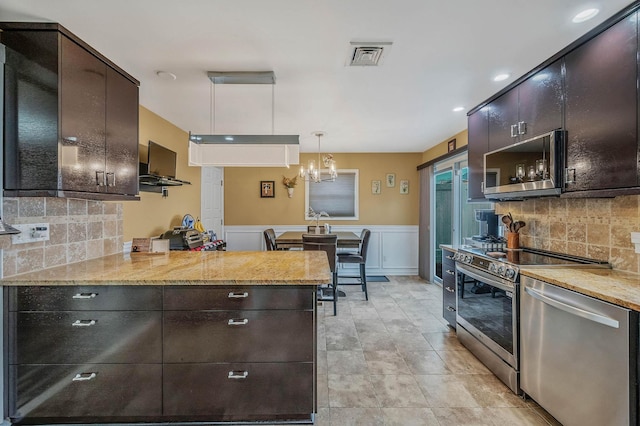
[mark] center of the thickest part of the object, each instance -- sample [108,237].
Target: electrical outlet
[30,233]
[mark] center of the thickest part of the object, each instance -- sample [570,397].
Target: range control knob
[468,258]
[492,267]
[501,270]
[456,256]
[510,273]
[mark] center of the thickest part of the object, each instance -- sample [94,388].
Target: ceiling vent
[363,54]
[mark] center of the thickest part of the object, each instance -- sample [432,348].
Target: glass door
[444,214]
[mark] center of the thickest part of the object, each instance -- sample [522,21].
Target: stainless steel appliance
[530,168]
[579,356]
[487,314]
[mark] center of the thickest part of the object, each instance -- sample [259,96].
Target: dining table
[293,239]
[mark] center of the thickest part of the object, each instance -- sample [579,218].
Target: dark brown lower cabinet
[449,287]
[153,354]
[237,391]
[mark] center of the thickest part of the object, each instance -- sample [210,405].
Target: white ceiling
[444,54]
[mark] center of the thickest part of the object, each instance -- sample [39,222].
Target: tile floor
[393,361]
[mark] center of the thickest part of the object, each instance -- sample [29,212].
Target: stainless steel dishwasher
[578,355]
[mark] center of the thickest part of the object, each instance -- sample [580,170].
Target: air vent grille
[367,54]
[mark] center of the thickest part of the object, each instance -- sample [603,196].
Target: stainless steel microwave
[526,169]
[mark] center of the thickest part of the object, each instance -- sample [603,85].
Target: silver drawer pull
[242,321]
[450,309]
[238,374]
[233,295]
[84,323]
[85,295]
[450,272]
[450,290]
[83,377]
[449,257]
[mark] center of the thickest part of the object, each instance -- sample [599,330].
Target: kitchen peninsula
[175,337]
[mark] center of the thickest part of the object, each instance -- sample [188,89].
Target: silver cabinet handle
[569,176]
[449,257]
[238,374]
[85,295]
[99,182]
[482,187]
[514,130]
[83,377]
[522,128]
[233,295]
[450,290]
[84,323]
[592,316]
[242,321]
[106,179]
[450,309]
[450,272]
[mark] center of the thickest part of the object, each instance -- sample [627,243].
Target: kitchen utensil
[517,225]
[507,221]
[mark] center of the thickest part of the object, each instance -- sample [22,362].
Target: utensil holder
[513,240]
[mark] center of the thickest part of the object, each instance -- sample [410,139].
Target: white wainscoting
[393,249]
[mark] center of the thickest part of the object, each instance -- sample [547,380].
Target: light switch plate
[30,233]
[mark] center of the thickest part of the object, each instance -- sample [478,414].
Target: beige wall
[243,205]
[153,214]
[462,138]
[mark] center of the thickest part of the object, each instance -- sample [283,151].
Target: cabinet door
[449,288]
[601,110]
[503,113]
[107,391]
[478,128]
[540,102]
[238,391]
[121,135]
[82,115]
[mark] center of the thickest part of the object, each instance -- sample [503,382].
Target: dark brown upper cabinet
[478,145]
[532,108]
[602,110]
[71,117]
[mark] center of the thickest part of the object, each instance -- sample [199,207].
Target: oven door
[487,308]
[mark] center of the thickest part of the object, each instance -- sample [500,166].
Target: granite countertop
[617,287]
[187,268]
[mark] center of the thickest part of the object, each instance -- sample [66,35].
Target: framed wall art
[376,187]
[404,186]
[451,145]
[267,189]
[391,180]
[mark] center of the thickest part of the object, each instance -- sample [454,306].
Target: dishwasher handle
[592,316]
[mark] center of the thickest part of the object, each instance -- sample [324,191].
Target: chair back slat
[270,239]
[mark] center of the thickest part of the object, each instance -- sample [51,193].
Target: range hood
[231,150]
[244,150]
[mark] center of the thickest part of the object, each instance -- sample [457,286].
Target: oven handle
[485,278]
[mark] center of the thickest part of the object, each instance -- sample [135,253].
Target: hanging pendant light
[313,172]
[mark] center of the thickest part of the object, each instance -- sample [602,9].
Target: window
[338,199]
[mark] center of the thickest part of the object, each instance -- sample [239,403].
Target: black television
[161,161]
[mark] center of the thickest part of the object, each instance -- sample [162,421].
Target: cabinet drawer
[238,391]
[237,297]
[86,337]
[238,336]
[85,298]
[60,391]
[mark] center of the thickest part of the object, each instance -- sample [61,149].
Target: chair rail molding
[393,249]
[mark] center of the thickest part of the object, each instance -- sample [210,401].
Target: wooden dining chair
[359,258]
[270,239]
[329,244]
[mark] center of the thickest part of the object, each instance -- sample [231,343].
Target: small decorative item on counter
[290,183]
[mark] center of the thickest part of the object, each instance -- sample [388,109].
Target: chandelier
[313,172]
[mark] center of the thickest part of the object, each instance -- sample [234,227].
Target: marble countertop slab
[187,268]
[617,287]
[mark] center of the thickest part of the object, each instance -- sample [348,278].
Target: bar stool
[359,258]
[329,244]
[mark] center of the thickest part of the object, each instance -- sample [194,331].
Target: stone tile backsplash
[598,228]
[79,230]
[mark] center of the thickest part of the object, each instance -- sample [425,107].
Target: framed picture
[404,186]
[451,146]
[391,180]
[375,187]
[267,189]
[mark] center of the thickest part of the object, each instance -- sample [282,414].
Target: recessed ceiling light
[501,77]
[458,109]
[585,15]
[166,75]
[228,138]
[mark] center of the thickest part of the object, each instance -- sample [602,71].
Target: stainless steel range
[488,303]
